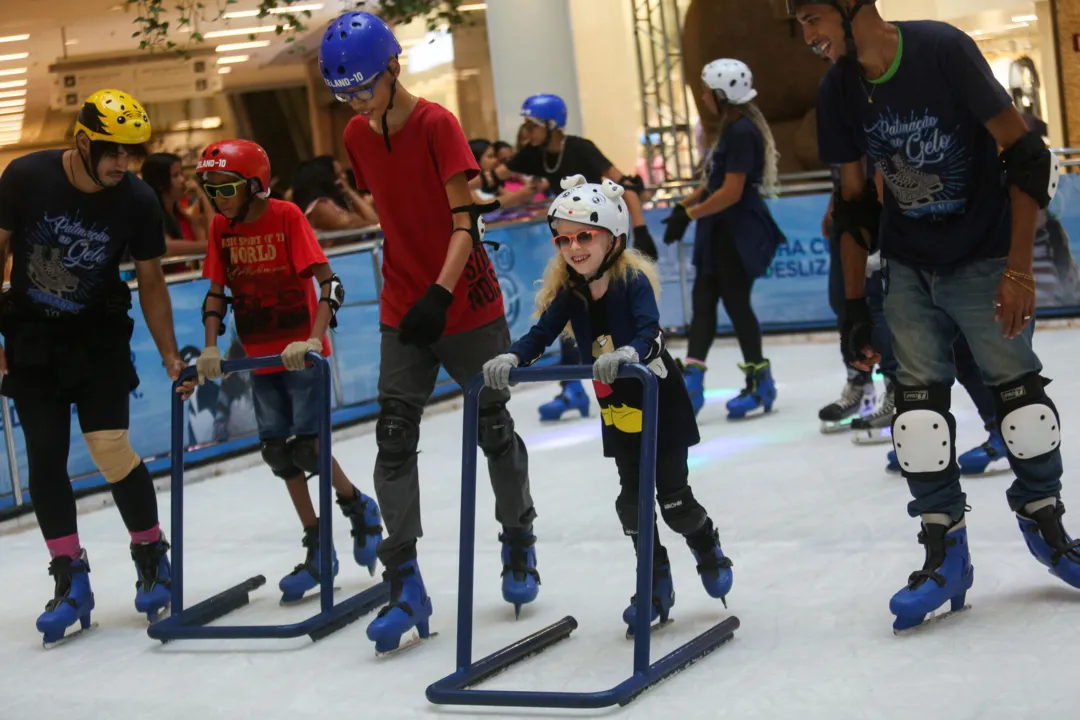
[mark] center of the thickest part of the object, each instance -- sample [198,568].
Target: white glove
[208,364]
[497,370]
[606,367]
[293,357]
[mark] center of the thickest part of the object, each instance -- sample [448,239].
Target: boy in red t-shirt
[440,304]
[265,252]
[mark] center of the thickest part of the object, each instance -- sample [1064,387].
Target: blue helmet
[548,109]
[356,48]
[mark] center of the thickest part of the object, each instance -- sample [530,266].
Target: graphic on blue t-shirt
[65,257]
[923,165]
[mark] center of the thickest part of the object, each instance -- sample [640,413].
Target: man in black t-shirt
[957,235]
[67,217]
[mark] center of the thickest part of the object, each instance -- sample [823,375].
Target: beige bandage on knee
[112,453]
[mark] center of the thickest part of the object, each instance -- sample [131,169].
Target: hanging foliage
[176,25]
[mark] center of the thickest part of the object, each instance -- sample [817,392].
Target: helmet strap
[846,18]
[577,280]
[389,107]
[90,162]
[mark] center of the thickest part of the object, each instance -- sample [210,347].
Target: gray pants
[407,376]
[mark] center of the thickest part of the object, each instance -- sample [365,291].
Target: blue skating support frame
[456,689]
[191,623]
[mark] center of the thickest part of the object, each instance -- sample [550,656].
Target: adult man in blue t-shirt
[956,235]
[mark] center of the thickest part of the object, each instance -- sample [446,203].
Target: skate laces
[60,568]
[311,542]
[146,557]
[395,576]
[703,547]
[935,558]
[519,556]
[885,405]
[1048,524]
[356,511]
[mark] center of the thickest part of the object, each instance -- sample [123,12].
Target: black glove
[644,243]
[856,331]
[426,320]
[676,222]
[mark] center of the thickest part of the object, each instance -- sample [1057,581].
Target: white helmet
[730,78]
[588,203]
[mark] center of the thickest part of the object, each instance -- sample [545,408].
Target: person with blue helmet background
[551,154]
[440,304]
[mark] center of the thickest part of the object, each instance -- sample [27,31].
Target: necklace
[558,162]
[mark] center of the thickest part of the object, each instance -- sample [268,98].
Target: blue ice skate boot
[1047,540]
[663,598]
[694,377]
[153,589]
[894,463]
[520,580]
[410,607]
[760,391]
[72,602]
[991,455]
[363,513]
[572,397]
[712,566]
[946,575]
[305,576]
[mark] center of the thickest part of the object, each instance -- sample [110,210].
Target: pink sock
[146,537]
[68,546]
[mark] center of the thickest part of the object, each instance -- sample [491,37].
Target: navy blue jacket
[626,315]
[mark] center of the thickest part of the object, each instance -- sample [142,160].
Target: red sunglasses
[584,238]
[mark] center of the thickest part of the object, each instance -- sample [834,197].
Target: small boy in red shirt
[265,252]
[441,305]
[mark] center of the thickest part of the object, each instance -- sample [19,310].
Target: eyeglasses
[225,190]
[363,94]
[584,238]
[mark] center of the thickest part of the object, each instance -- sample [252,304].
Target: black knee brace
[682,512]
[1028,419]
[396,434]
[278,455]
[496,432]
[626,507]
[924,431]
[305,453]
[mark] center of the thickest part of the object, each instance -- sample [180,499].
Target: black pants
[728,281]
[672,476]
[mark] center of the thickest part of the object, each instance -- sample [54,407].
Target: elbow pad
[214,313]
[335,298]
[1031,167]
[476,228]
[858,215]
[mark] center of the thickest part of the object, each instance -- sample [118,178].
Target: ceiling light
[13,71]
[1025,18]
[12,103]
[13,83]
[295,9]
[472,7]
[11,115]
[14,38]
[242,46]
[15,127]
[206,123]
[224,70]
[233,59]
[240,31]
[12,93]
[14,56]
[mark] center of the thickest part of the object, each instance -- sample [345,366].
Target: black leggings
[729,282]
[45,416]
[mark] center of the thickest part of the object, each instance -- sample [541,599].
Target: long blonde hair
[557,278]
[770,182]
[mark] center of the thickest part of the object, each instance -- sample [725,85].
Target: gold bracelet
[1021,283]
[1020,275]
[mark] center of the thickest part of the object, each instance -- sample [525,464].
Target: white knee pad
[922,441]
[1031,431]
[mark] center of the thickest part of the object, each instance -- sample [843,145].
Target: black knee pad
[1028,419]
[626,507]
[924,431]
[278,455]
[682,512]
[496,432]
[305,453]
[396,434]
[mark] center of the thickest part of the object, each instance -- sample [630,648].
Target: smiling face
[823,30]
[582,247]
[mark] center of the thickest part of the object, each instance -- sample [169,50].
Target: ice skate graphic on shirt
[66,257]
[51,280]
[923,165]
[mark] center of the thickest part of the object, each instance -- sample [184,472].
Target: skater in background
[608,295]
[736,236]
[956,225]
[491,186]
[185,234]
[551,154]
[441,304]
[265,252]
[67,217]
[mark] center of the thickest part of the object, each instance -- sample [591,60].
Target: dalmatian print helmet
[600,205]
[731,78]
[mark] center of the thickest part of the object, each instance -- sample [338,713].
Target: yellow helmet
[113,116]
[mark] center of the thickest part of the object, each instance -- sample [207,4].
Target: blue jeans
[926,311]
[881,338]
[286,403]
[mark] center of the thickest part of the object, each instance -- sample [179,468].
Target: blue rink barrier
[456,688]
[191,623]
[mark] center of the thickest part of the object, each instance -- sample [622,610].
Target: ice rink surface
[817,530]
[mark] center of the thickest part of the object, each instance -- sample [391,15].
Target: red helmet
[242,158]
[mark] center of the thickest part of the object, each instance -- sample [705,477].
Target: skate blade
[312,595]
[414,641]
[831,427]
[932,619]
[654,628]
[998,467]
[872,436]
[68,637]
[160,615]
